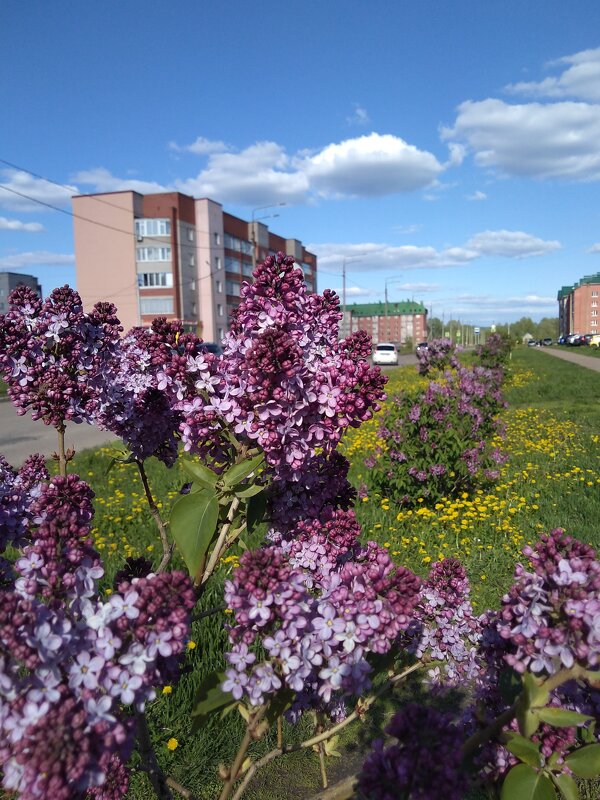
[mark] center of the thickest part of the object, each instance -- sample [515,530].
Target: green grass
[552,480]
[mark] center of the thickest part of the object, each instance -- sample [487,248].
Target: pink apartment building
[171,255]
[578,306]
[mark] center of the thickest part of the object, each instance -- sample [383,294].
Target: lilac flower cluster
[439,442]
[316,623]
[494,352]
[52,353]
[68,660]
[437,357]
[17,491]
[550,617]
[446,630]
[424,764]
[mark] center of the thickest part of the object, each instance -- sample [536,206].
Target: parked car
[385,354]
[586,337]
[423,346]
[573,340]
[531,343]
[595,341]
[213,347]
[547,342]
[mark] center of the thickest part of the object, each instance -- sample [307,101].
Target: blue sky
[448,149]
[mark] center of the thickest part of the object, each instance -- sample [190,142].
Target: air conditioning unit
[140,238]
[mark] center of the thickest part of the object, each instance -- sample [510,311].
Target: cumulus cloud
[365,256]
[201,147]
[20,191]
[352,292]
[490,308]
[36,258]
[17,225]
[476,196]
[555,140]
[370,166]
[595,248]
[580,79]
[359,116]
[259,175]
[101,180]
[510,244]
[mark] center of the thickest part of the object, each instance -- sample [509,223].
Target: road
[567,354]
[21,436]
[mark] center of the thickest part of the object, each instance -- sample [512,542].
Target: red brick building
[578,306]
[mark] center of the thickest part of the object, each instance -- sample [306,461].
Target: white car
[385,354]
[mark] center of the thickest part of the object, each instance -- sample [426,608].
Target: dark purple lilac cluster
[550,617]
[317,607]
[17,491]
[52,354]
[494,352]
[437,357]
[69,660]
[446,630]
[424,763]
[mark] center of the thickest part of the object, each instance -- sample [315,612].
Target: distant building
[578,306]
[10,281]
[171,255]
[396,322]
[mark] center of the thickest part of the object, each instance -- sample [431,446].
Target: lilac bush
[439,356]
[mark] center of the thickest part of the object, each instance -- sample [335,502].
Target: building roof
[393,309]
[585,281]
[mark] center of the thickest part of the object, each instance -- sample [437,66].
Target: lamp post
[257,219]
[354,259]
[388,280]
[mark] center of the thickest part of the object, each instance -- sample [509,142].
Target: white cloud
[405,230]
[370,166]
[24,192]
[510,244]
[359,116]
[485,309]
[477,195]
[556,140]
[371,256]
[259,175]
[201,147]
[581,79]
[595,248]
[36,258]
[355,291]
[103,181]
[17,225]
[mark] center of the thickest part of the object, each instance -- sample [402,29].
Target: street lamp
[388,280]
[354,259]
[257,219]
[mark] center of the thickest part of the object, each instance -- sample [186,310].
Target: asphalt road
[21,436]
[573,355]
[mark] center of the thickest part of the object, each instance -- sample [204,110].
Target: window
[192,286]
[247,270]
[239,245]
[217,262]
[219,333]
[594,293]
[233,288]
[153,253]
[190,234]
[156,305]
[594,313]
[192,260]
[219,286]
[150,279]
[232,264]
[594,303]
[219,310]
[217,239]
[153,227]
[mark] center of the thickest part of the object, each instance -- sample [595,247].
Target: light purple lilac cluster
[550,617]
[318,615]
[71,661]
[424,763]
[437,357]
[446,631]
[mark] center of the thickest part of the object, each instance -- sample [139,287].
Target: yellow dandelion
[167,689]
[172,744]
[191,645]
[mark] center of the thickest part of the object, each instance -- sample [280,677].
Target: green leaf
[193,525]
[240,472]
[525,783]
[209,699]
[255,511]
[585,762]
[566,786]
[561,718]
[535,692]
[528,721]
[200,474]
[524,749]
[249,491]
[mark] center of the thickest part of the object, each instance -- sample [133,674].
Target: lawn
[552,479]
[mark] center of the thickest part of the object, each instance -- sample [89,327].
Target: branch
[166,547]
[321,737]
[148,756]
[241,753]
[216,553]
[61,456]
[180,789]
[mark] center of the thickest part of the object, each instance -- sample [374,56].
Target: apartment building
[10,281]
[578,306]
[171,255]
[391,322]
